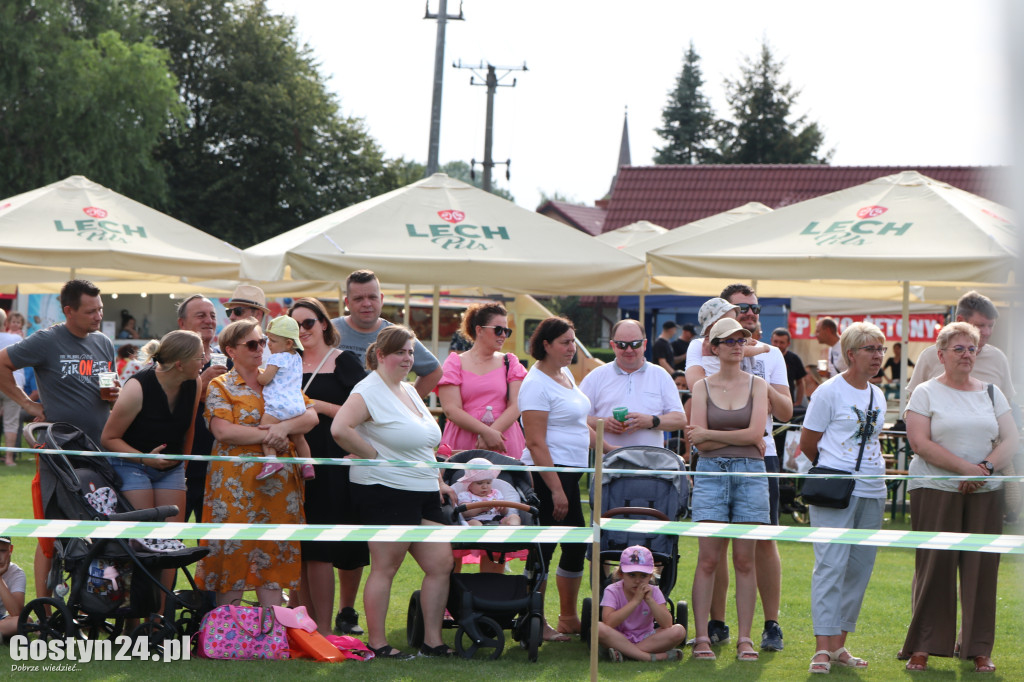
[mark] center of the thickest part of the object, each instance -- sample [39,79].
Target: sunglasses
[623,345]
[307,324]
[752,307]
[498,331]
[253,344]
[238,311]
[732,342]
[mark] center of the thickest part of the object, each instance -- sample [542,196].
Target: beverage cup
[218,359]
[822,365]
[619,413]
[108,380]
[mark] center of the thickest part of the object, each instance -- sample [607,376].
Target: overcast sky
[890,82]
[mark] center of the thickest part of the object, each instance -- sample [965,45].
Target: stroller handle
[152,514]
[635,511]
[508,504]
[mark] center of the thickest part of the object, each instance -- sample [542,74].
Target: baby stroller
[483,605]
[632,496]
[110,579]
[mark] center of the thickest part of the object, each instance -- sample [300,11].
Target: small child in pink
[630,608]
[476,485]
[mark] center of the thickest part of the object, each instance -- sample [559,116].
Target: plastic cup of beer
[822,365]
[108,380]
[218,359]
[620,413]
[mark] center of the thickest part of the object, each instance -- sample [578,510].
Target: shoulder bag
[835,492]
[243,633]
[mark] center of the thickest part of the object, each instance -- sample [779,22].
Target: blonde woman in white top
[385,418]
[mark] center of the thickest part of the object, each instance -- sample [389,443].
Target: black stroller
[98,583]
[483,605]
[632,496]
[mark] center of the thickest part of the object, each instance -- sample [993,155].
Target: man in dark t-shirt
[680,345]
[795,370]
[661,352]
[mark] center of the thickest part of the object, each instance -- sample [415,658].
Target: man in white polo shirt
[649,393]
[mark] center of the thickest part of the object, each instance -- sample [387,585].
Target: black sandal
[388,651]
[442,650]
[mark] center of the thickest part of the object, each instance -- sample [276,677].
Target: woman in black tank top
[729,410]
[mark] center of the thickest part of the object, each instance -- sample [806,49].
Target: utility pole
[491,80]
[442,17]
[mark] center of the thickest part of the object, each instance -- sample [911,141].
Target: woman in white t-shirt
[555,424]
[956,427]
[846,410]
[385,418]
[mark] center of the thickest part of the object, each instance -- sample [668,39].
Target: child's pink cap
[636,559]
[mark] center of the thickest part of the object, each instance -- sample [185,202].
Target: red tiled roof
[587,219]
[671,196]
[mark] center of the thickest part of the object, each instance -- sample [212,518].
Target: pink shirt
[640,624]
[478,391]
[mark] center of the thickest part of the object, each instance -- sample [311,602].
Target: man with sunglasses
[360,327]
[248,301]
[649,393]
[990,363]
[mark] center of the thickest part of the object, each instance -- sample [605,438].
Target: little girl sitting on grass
[630,608]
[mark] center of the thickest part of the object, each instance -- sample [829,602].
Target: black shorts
[379,505]
[771,466]
[329,501]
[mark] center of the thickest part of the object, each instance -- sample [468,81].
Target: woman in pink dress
[483,377]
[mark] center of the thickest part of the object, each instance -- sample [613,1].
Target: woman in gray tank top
[727,424]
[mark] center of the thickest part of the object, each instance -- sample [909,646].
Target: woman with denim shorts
[727,424]
[846,410]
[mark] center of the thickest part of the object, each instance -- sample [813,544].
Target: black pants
[573,553]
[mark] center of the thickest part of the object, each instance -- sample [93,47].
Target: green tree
[460,170]
[77,98]
[764,130]
[689,122]
[264,147]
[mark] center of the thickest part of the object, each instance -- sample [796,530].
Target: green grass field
[881,629]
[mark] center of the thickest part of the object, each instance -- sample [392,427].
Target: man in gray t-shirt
[12,589]
[360,327]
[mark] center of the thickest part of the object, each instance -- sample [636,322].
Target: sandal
[851,660]
[751,655]
[703,655]
[984,664]
[441,651]
[388,651]
[670,655]
[918,662]
[615,656]
[823,667]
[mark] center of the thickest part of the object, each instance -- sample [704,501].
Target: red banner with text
[922,327]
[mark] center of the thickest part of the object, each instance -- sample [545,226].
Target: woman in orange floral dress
[234,405]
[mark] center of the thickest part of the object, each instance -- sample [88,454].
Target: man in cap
[360,327]
[12,590]
[68,359]
[649,394]
[248,301]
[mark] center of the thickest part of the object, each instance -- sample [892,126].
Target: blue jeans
[136,476]
[731,499]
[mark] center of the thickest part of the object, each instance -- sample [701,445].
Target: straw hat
[248,295]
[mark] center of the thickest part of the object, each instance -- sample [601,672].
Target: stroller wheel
[682,614]
[47,618]
[534,638]
[95,627]
[586,619]
[157,631]
[414,622]
[491,636]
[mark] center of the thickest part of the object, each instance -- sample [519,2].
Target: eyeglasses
[732,342]
[879,350]
[752,307]
[253,345]
[238,311]
[307,324]
[498,331]
[623,345]
[960,350]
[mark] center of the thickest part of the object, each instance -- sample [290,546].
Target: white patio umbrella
[628,235]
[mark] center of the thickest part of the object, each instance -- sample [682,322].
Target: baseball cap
[725,328]
[5,538]
[712,309]
[287,328]
[636,559]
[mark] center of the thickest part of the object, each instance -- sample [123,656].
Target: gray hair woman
[847,410]
[957,426]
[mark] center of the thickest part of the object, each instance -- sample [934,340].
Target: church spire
[624,159]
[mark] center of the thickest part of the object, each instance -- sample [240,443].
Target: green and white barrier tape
[1001,544]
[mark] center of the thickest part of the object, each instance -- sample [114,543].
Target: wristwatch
[655,421]
[988,466]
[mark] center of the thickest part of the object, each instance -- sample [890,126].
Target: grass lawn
[881,629]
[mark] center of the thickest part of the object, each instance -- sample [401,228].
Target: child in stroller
[483,485]
[630,608]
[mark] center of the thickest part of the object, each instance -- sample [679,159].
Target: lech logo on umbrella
[451,235]
[855,232]
[97,229]
[452,216]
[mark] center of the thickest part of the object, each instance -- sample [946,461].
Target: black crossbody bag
[835,492]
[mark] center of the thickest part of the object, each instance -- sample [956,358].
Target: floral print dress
[233,495]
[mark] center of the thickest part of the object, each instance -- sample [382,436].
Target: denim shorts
[135,476]
[730,499]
